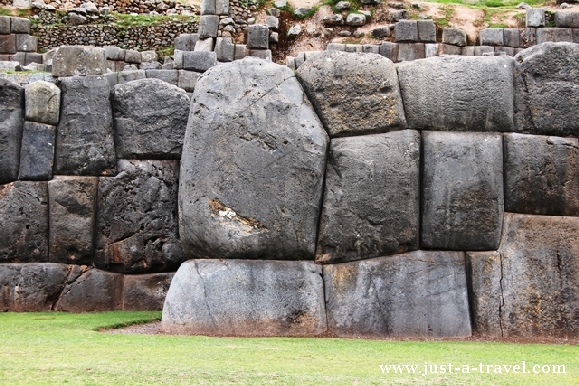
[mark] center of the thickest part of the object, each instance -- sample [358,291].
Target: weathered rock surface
[150,119]
[31,287]
[458,93]
[71,202]
[462,191]
[136,220]
[246,298]
[146,292]
[371,197]
[537,267]
[24,222]
[79,60]
[252,165]
[418,294]
[547,89]
[84,139]
[541,175]
[353,93]
[42,102]
[37,151]
[11,118]
[88,289]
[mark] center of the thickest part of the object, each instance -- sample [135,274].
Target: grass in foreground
[61,348]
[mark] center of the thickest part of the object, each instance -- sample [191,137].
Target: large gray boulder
[547,89]
[150,119]
[246,298]
[11,118]
[136,219]
[541,175]
[146,292]
[418,294]
[72,218]
[84,139]
[89,289]
[79,60]
[252,165]
[462,191]
[371,197]
[458,93]
[42,102]
[353,93]
[24,222]
[31,287]
[37,151]
[530,286]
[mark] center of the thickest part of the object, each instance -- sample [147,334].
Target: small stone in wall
[42,102]
[355,19]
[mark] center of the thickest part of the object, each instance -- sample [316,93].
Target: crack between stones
[67,284]
[205,296]
[502,302]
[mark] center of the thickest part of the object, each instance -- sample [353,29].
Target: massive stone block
[150,119]
[88,289]
[84,139]
[42,102]
[353,93]
[71,203]
[24,222]
[547,89]
[31,287]
[11,118]
[418,294]
[79,60]
[252,165]
[462,191]
[371,197]
[541,175]
[37,151]
[136,220]
[458,93]
[146,292]
[246,298]
[530,287]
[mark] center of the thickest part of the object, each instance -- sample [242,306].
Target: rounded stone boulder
[252,165]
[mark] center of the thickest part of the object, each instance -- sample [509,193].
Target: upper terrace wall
[433,199]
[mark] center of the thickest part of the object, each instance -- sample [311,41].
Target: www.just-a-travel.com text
[482,368]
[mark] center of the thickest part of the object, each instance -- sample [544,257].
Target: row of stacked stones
[356,199]
[16,44]
[88,197]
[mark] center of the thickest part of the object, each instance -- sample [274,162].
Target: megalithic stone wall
[434,199]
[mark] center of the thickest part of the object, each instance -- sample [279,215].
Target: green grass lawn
[61,348]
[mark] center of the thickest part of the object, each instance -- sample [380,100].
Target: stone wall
[353,198]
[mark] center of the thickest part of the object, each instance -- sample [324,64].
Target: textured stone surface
[257,36]
[411,51]
[31,287]
[71,203]
[19,25]
[79,60]
[126,76]
[199,60]
[246,298]
[554,35]
[418,294]
[24,222]
[389,50]
[150,119]
[146,292]
[535,17]
[89,289]
[462,191]
[547,89]
[133,56]
[188,80]
[458,93]
[26,43]
[11,118]
[252,165]
[541,175]
[168,76]
[492,37]
[208,26]
[224,49]
[347,87]
[42,102]
[454,36]
[406,31]
[136,220]
[84,139]
[512,37]
[426,31]
[371,197]
[8,44]
[537,267]
[37,151]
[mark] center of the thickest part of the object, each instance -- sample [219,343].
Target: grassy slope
[61,348]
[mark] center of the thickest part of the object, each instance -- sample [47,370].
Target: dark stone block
[146,292]
[37,151]
[11,119]
[8,44]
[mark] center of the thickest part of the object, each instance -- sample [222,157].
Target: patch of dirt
[154,328]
